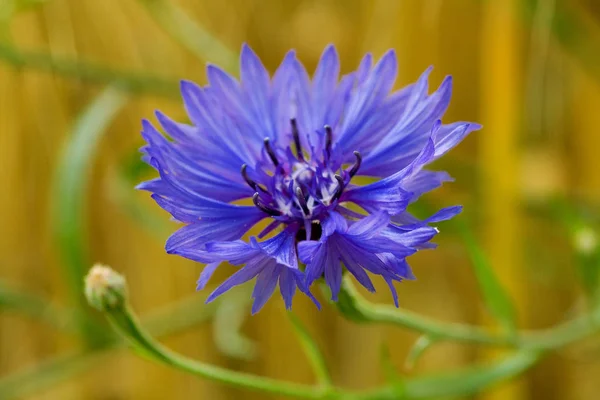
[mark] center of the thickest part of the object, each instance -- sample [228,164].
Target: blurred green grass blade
[471,380]
[45,375]
[168,320]
[392,376]
[129,81]
[191,34]
[316,359]
[417,350]
[573,34]
[227,324]
[495,297]
[33,306]
[70,188]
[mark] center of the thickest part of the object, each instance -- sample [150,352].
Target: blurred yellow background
[529,71]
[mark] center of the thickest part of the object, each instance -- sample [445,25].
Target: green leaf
[495,297]
[316,359]
[69,193]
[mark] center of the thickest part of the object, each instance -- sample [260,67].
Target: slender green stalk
[69,194]
[357,308]
[129,81]
[124,322]
[164,322]
[316,359]
[191,34]
[462,382]
[354,306]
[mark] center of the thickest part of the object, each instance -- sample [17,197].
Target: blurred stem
[69,195]
[164,322]
[316,359]
[36,308]
[190,34]
[573,33]
[129,81]
[355,307]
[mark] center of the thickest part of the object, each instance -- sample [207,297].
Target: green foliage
[495,297]
[312,351]
[69,196]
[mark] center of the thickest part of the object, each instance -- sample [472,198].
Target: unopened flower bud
[105,289]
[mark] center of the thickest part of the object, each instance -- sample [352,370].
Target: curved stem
[530,347]
[129,81]
[125,323]
[355,307]
[462,382]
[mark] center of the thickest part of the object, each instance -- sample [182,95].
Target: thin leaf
[69,193]
[191,34]
[316,359]
[495,297]
[417,350]
[128,81]
[572,32]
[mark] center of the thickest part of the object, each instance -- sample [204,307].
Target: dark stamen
[296,135]
[302,201]
[356,165]
[250,182]
[270,152]
[329,141]
[340,188]
[268,210]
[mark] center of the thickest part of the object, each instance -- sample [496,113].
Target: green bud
[105,289]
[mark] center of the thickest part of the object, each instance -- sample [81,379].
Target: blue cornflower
[294,146]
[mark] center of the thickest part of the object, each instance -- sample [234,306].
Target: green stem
[130,81]
[462,382]
[355,307]
[167,321]
[316,359]
[124,322]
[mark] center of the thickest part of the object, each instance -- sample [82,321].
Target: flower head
[293,147]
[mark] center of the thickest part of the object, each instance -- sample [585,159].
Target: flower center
[299,188]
